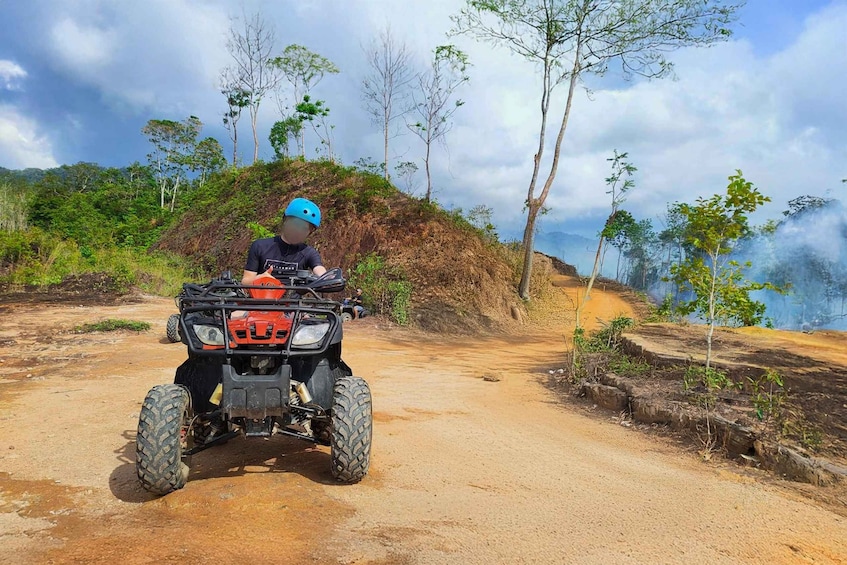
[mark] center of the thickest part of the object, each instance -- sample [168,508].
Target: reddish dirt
[464,470]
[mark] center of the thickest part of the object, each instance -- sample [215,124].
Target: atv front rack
[218,301]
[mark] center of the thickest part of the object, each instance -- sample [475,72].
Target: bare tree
[384,89]
[433,102]
[250,47]
[570,38]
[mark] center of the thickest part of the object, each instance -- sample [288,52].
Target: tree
[316,113]
[253,74]
[174,144]
[406,171]
[208,158]
[567,39]
[236,100]
[641,254]
[806,203]
[619,185]
[282,132]
[304,69]
[433,103]
[384,89]
[714,227]
[13,208]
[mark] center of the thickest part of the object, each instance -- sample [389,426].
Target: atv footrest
[256,396]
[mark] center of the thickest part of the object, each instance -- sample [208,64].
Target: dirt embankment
[461,282]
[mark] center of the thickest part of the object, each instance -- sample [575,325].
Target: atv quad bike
[263,359]
[347,312]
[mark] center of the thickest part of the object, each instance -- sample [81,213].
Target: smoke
[807,253]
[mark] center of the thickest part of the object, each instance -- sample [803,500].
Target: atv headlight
[210,335]
[309,334]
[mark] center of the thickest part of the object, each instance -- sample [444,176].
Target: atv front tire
[352,429]
[172,328]
[162,436]
[346,317]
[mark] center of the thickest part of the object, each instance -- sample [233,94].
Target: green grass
[38,258]
[111,325]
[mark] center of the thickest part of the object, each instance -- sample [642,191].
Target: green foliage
[609,335]
[627,366]
[368,165]
[599,351]
[13,208]
[174,153]
[111,325]
[39,258]
[768,394]
[385,289]
[708,377]
[101,207]
[712,380]
[713,228]
[259,231]
[282,132]
[637,35]
[665,312]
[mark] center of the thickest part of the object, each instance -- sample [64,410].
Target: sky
[80,78]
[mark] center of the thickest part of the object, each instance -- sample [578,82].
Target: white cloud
[780,117]
[21,143]
[83,48]
[162,57]
[10,74]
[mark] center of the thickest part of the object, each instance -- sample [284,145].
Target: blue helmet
[305,210]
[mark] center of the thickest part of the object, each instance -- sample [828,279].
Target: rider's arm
[314,262]
[249,276]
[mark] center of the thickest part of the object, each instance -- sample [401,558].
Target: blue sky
[79,78]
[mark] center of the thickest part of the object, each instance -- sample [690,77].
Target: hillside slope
[460,282]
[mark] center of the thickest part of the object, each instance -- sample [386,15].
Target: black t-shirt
[283,257]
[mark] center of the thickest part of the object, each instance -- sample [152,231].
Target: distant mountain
[575,250]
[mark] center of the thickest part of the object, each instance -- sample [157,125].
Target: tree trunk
[428,177]
[234,145]
[528,242]
[711,311]
[385,161]
[529,228]
[538,204]
[173,198]
[254,114]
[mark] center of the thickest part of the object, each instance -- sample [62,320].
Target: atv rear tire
[352,429]
[173,328]
[162,428]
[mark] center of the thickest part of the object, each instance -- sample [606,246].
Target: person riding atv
[264,358]
[287,253]
[353,308]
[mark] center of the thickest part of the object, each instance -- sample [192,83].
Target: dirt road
[464,470]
